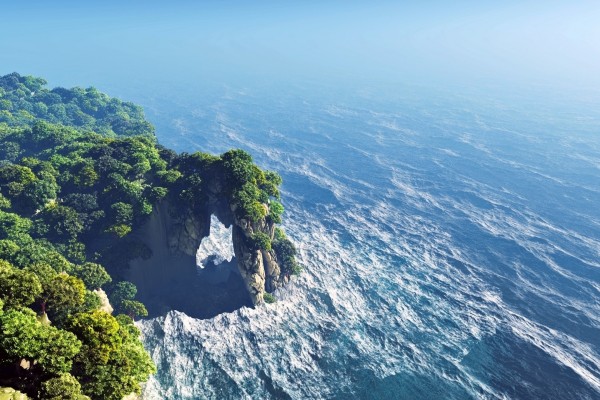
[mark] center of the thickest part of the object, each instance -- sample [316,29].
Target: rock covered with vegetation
[81,174]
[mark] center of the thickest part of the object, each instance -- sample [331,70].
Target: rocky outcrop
[170,279]
[104,302]
[258,267]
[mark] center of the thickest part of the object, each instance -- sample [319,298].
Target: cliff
[90,201]
[170,279]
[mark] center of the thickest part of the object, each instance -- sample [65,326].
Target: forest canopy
[79,171]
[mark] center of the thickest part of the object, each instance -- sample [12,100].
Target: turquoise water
[451,244]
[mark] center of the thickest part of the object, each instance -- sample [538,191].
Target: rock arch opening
[192,267]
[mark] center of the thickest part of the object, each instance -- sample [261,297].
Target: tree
[120,230]
[122,213]
[99,333]
[8,250]
[133,309]
[269,298]
[275,211]
[92,302]
[18,288]
[64,221]
[13,226]
[92,274]
[238,165]
[286,254]
[39,192]
[261,240]
[63,387]
[126,366]
[23,337]
[86,176]
[246,200]
[74,176]
[121,291]
[4,202]
[15,178]
[63,295]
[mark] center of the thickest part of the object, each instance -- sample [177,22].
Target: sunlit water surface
[451,245]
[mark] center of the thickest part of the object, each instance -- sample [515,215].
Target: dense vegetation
[78,172]
[23,99]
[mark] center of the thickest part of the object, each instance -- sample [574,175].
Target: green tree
[286,254]
[8,250]
[99,333]
[23,337]
[238,165]
[92,302]
[64,221]
[15,177]
[92,274]
[122,213]
[13,226]
[121,291]
[18,288]
[120,230]
[269,298]
[62,387]
[126,366]
[40,192]
[275,211]
[133,309]
[4,202]
[86,176]
[63,295]
[261,240]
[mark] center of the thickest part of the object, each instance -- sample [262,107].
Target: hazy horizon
[512,45]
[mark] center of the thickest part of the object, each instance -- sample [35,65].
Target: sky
[438,42]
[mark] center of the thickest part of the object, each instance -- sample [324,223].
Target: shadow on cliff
[168,277]
[200,293]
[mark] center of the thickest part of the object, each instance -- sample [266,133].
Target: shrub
[261,241]
[269,298]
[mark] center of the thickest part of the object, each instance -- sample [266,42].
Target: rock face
[104,303]
[259,268]
[170,278]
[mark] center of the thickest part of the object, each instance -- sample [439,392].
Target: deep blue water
[451,244]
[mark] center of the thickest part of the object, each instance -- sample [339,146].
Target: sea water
[450,243]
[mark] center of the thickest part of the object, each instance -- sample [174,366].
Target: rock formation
[170,279]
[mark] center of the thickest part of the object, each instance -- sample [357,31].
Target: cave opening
[202,281]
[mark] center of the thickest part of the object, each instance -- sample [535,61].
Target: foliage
[133,309]
[92,274]
[63,295]
[18,288]
[120,292]
[23,337]
[26,98]
[250,187]
[269,298]
[62,387]
[80,171]
[112,358]
[99,333]
[275,211]
[261,241]
[286,253]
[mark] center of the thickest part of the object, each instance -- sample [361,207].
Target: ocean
[450,241]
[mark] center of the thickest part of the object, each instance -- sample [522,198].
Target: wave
[431,266]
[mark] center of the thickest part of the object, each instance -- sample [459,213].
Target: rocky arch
[169,278]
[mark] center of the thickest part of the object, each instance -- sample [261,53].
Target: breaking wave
[450,249]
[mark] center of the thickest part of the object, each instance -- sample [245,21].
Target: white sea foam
[217,246]
[408,277]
